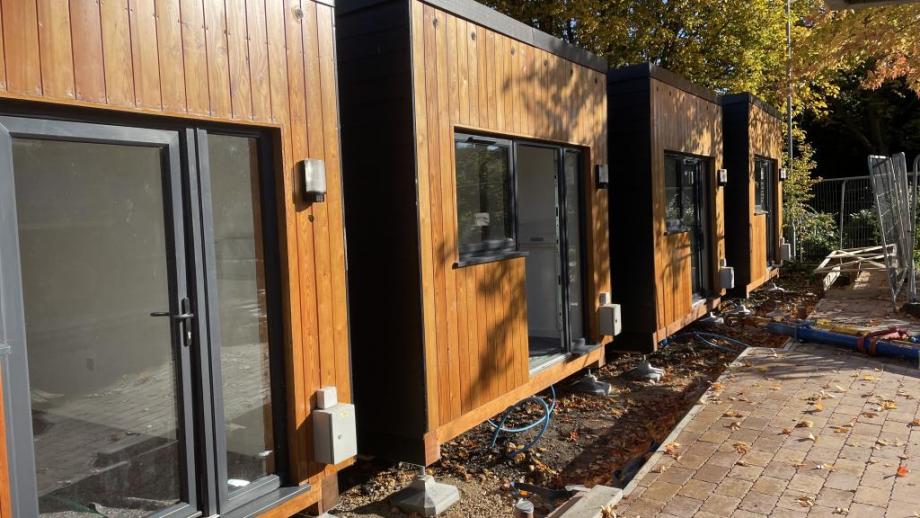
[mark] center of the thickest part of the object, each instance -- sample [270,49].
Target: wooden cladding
[467,77]
[654,112]
[264,62]
[683,123]
[752,130]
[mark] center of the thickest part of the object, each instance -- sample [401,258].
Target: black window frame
[681,158]
[771,181]
[185,154]
[494,249]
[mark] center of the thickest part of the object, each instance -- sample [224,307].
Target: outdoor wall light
[313,174]
[783,173]
[603,176]
[722,177]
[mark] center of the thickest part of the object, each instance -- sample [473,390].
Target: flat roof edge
[653,71]
[749,98]
[491,19]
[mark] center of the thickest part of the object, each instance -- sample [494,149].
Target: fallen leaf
[787,431]
[811,437]
[732,413]
[915,422]
[671,449]
[889,405]
[742,447]
[841,510]
[819,406]
[806,501]
[869,377]
[734,425]
[805,423]
[903,471]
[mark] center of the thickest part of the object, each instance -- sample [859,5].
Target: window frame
[702,162]
[771,171]
[200,399]
[494,249]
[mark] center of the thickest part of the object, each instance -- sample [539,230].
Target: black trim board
[381,224]
[749,98]
[736,157]
[653,71]
[498,22]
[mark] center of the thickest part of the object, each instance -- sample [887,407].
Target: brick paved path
[741,453]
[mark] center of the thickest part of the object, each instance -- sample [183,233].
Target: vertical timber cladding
[752,129]
[683,122]
[265,63]
[468,77]
[653,112]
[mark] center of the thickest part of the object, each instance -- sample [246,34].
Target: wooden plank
[21,48]
[2,57]
[426,252]
[215,28]
[463,72]
[195,58]
[116,52]
[472,56]
[145,53]
[448,240]
[258,60]
[472,321]
[169,45]
[335,209]
[304,229]
[56,52]
[238,59]
[319,221]
[439,346]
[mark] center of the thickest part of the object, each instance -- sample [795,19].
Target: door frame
[24,490]
[187,199]
[561,229]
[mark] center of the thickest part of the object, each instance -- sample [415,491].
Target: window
[763,184]
[680,176]
[485,216]
[143,260]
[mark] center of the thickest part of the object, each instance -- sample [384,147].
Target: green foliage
[816,235]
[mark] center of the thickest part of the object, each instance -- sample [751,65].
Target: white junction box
[611,323]
[334,432]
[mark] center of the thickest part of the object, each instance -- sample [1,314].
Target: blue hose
[544,420]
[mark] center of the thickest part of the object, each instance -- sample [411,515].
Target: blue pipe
[805,332]
[544,420]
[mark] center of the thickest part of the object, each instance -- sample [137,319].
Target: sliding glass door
[134,280]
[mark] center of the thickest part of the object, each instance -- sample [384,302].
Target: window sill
[489,258]
[268,501]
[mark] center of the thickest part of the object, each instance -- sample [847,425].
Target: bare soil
[591,440]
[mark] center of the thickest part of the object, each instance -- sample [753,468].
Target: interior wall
[475,317]
[246,62]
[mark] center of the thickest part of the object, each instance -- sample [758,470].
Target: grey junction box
[334,433]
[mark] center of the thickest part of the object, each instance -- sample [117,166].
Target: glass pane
[243,312]
[102,370]
[484,218]
[573,244]
[672,181]
[760,183]
[689,202]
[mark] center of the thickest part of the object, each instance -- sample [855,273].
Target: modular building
[172,270]
[667,225]
[474,164]
[754,197]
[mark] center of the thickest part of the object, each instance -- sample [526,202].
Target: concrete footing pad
[426,497]
[591,385]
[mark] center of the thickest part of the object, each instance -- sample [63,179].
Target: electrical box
[722,176]
[334,434]
[326,397]
[727,277]
[603,176]
[610,320]
[785,252]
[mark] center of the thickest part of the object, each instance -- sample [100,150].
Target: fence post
[843,190]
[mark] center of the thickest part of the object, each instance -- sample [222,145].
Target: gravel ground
[591,440]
